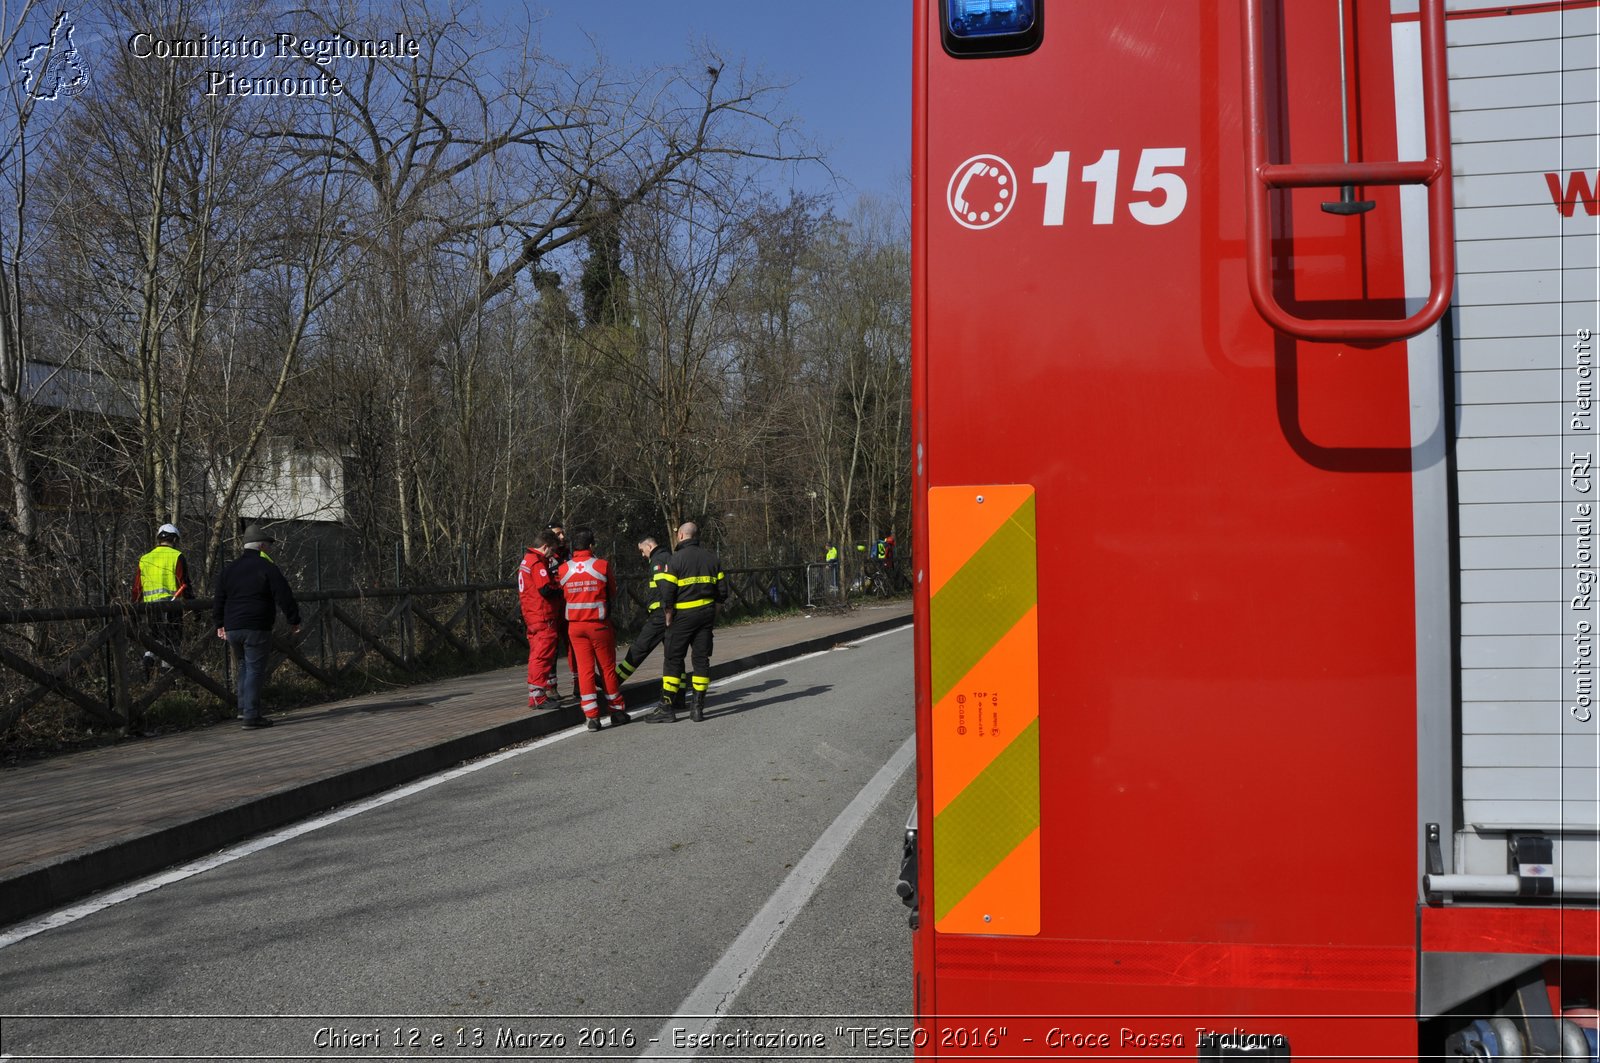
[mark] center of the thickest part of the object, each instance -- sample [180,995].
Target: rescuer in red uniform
[557,558]
[586,586]
[540,596]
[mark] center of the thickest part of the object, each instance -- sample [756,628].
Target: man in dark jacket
[691,587]
[250,593]
[654,629]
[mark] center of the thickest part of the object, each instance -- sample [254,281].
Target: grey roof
[81,390]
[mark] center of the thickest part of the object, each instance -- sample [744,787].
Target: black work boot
[697,708]
[663,712]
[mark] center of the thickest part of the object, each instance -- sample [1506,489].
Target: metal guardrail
[94,650]
[86,658]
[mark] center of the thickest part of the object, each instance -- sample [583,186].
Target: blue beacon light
[969,19]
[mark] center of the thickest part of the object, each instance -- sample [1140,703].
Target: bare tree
[857,409]
[51,77]
[497,169]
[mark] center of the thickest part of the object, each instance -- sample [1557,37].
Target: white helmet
[168,529]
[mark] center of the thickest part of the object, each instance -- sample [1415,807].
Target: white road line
[705,1006]
[101,901]
[879,635]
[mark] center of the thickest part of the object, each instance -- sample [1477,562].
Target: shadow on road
[714,711]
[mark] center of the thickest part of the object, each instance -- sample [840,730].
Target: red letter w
[1578,187]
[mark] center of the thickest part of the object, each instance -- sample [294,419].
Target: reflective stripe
[697,603]
[687,580]
[667,577]
[983,645]
[701,683]
[584,580]
[579,568]
[671,683]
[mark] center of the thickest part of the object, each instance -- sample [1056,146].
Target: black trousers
[690,630]
[649,637]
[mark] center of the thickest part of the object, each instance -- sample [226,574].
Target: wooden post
[322,610]
[119,658]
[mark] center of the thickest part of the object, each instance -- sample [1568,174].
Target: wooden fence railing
[87,659]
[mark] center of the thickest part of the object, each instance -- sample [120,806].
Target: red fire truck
[1255,427]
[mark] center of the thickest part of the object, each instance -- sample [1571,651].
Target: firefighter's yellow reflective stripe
[671,683]
[653,607]
[984,676]
[694,604]
[686,581]
[701,683]
[667,577]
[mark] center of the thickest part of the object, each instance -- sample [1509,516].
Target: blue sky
[848,66]
[850,75]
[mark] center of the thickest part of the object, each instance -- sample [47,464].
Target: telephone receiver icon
[960,199]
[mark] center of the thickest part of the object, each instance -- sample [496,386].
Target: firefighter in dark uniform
[655,627]
[691,588]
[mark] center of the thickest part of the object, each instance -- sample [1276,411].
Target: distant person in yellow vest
[163,576]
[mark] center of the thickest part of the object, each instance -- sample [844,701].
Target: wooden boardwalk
[81,822]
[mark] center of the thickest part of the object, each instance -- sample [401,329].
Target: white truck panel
[1524,104]
[1520,717]
[1511,552]
[1511,618]
[1524,485]
[1507,452]
[1510,253]
[1492,387]
[1508,518]
[1578,148]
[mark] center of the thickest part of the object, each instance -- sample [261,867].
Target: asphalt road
[585,896]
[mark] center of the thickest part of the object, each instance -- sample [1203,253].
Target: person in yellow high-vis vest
[163,576]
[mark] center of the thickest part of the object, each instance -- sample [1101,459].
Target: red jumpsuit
[541,611]
[586,586]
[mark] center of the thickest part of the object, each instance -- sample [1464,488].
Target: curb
[73,877]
